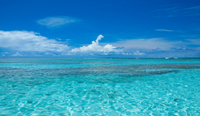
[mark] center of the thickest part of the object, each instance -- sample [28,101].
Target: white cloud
[193,41]
[164,30]
[138,53]
[56,21]
[148,44]
[17,54]
[5,53]
[29,41]
[51,54]
[159,47]
[96,48]
[32,43]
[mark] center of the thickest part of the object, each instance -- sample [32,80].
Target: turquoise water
[107,87]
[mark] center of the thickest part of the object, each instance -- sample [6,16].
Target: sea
[99,87]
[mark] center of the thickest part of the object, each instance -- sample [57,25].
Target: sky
[99,28]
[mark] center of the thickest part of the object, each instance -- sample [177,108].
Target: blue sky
[99,28]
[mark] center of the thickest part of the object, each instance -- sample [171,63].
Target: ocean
[99,87]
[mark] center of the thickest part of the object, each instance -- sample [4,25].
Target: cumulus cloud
[17,54]
[56,21]
[34,44]
[166,30]
[95,47]
[29,41]
[138,53]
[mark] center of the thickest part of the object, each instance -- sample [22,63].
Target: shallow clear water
[113,87]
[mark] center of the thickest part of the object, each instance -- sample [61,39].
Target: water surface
[86,87]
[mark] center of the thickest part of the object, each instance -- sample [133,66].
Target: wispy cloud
[148,44]
[167,9]
[4,53]
[29,42]
[178,11]
[193,41]
[56,21]
[195,7]
[166,30]
[160,47]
